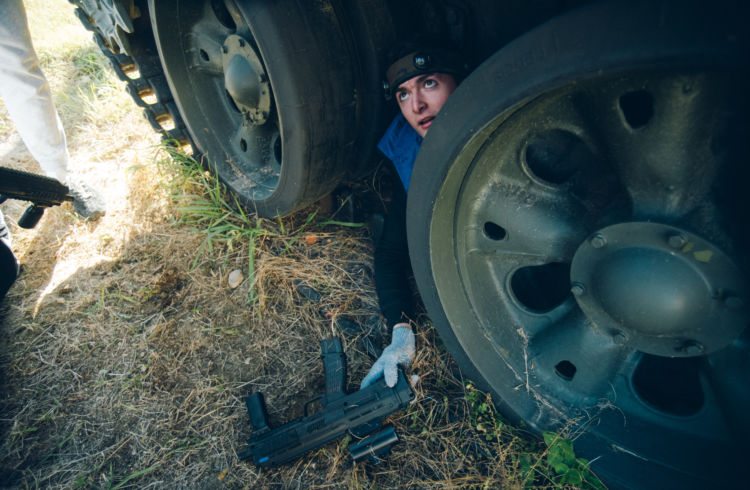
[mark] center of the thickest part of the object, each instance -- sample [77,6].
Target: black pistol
[360,414]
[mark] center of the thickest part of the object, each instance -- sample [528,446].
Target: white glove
[401,352]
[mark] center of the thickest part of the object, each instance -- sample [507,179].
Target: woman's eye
[402,96]
[429,83]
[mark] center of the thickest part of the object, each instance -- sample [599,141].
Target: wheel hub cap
[245,79]
[660,289]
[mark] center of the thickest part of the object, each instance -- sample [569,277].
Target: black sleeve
[392,265]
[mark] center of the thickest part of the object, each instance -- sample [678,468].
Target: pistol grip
[31,216]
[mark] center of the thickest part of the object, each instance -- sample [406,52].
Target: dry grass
[125,355]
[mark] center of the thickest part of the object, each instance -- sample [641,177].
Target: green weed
[567,468]
[557,465]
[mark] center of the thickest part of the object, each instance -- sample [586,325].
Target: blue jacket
[400,144]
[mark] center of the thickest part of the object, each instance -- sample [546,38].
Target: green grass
[210,210]
[206,206]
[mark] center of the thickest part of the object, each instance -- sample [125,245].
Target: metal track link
[141,70]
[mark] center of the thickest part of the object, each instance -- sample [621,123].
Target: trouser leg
[26,93]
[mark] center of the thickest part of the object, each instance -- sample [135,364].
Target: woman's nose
[417,103]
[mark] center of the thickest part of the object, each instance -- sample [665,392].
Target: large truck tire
[282,100]
[270,93]
[577,227]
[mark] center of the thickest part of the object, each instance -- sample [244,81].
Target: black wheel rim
[224,93]
[590,240]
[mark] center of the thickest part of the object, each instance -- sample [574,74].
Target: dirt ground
[126,354]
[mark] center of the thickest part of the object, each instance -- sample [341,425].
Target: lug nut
[677,240]
[598,241]
[692,348]
[577,288]
[619,338]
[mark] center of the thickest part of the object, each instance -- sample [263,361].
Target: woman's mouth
[426,122]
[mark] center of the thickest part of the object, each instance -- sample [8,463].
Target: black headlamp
[422,62]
